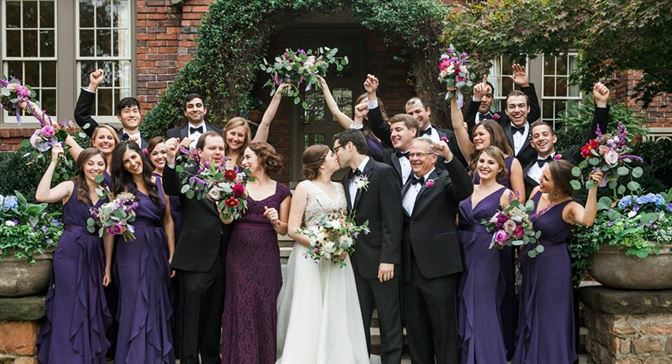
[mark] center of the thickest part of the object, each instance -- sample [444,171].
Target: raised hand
[441,148]
[361,110]
[171,150]
[371,84]
[519,75]
[597,175]
[95,78]
[601,95]
[56,151]
[282,87]
[481,89]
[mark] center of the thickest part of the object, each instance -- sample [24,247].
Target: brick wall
[659,111]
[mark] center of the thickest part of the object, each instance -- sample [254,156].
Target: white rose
[10,223]
[214,194]
[345,242]
[611,157]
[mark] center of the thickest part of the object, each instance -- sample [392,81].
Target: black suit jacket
[573,155]
[526,153]
[380,205]
[382,130]
[430,233]
[83,117]
[182,132]
[203,235]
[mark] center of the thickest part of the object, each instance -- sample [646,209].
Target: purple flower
[115,229]
[48,131]
[22,91]
[501,237]
[429,183]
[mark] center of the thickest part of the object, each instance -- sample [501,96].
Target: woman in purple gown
[482,285]
[546,321]
[142,265]
[253,276]
[76,310]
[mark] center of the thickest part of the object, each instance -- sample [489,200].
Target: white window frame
[495,75]
[566,98]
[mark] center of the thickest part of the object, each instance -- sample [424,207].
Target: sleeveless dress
[546,326]
[509,304]
[481,286]
[76,310]
[144,309]
[319,319]
[253,280]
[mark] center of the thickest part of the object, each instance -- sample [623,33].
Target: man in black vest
[373,193]
[195,111]
[431,253]
[127,111]
[199,259]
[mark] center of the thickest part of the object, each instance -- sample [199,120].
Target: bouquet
[333,237]
[611,154]
[224,186]
[513,227]
[115,216]
[13,93]
[454,72]
[300,70]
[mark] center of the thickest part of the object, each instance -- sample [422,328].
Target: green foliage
[234,36]
[26,229]
[610,35]
[657,164]
[579,117]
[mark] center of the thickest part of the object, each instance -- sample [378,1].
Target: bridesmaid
[76,309]
[546,325]
[482,285]
[253,276]
[158,153]
[142,265]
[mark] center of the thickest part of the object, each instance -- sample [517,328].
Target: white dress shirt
[519,139]
[405,168]
[352,188]
[194,136]
[535,171]
[408,201]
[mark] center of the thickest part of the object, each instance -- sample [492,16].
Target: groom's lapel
[368,171]
[346,188]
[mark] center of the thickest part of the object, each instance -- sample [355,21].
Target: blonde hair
[109,128]
[496,154]
[234,123]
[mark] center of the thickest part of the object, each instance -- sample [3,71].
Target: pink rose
[557,157]
[496,116]
[501,218]
[22,91]
[611,157]
[48,131]
[115,229]
[501,237]
[444,64]
[429,183]
[239,190]
[509,226]
[518,232]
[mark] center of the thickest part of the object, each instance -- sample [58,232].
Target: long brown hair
[561,173]
[313,157]
[234,123]
[122,180]
[497,139]
[80,179]
[269,159]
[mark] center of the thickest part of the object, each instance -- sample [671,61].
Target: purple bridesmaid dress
[253,280]
[481,287]
[76,310]
[144,310]
[546,321]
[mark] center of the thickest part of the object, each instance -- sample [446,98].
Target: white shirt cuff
[356,126]
[87,90]
[373,104]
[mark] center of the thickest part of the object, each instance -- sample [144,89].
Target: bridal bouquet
[333,237]
[610,153]
[13,93]
[300,70]
[224,186]
[115,216]
[513,227]
[454,72]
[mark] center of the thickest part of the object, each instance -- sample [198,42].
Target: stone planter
[613,268]
[19,278]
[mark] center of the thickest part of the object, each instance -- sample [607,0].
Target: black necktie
[541,162]
[193,130]
[486,116]
[415,180]
[402,154]
[517,129]
[427,131]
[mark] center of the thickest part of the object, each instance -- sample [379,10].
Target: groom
[373,193]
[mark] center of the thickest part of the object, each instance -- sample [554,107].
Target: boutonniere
[444,139]
[362,182]
[557,157]
[429,183]
[496,116]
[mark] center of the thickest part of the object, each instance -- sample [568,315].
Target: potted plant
[630,243]
[28,236]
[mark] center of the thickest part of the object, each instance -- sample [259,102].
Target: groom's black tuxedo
[379,204]
[432,263]
[199,259]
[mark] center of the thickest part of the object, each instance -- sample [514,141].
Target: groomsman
[522,108]
[373,193]
[415,107]
[127,110]
[544,139]
[195,111]
[199,258]
[431,254]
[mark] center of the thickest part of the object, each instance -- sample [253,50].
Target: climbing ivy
[234,36]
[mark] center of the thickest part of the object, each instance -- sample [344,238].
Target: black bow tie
[402,154]
[357,172]
[541,162]
[486,116]
[416,180]
[427,131]
[193,130]
[517,129]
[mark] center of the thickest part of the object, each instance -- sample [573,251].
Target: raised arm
[585,216]
[44,192]
[521,80]
[461,186]
[85,101]
[457,119]
[378,126]
[296,211]
[479,91]
[601,115]
[269,115]
[343,120]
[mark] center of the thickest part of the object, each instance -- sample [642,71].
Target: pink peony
[48,131]
[239,190]
[501,237]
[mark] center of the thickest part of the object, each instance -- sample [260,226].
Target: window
[500,77]
[556,92]
[29,52]
[104,41]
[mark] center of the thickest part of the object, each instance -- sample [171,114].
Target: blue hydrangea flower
[10,203]
[651,198]
[625,202]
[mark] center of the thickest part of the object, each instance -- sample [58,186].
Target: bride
[319,319]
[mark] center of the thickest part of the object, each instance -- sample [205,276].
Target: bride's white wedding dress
[319,320]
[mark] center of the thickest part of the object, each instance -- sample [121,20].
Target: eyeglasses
[419,155]
[336,148]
